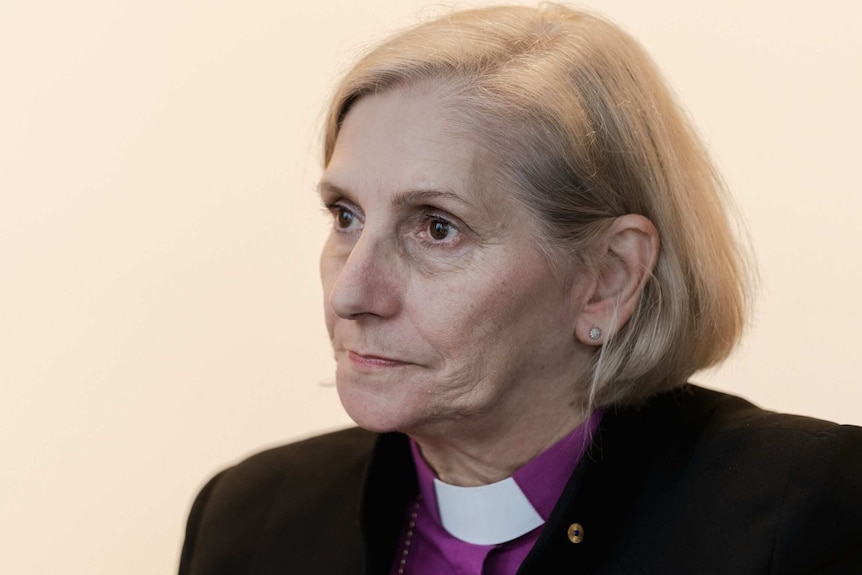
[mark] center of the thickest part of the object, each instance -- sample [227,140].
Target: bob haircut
[581,129]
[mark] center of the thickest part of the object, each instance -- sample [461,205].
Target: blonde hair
[583,130]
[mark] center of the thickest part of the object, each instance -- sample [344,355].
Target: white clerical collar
[488,514]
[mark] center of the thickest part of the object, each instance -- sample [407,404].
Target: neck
[477,456]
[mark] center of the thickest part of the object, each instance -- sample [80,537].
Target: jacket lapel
[390,483]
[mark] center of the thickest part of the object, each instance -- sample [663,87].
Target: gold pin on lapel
[576,533]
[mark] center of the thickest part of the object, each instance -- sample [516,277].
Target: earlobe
[624,264]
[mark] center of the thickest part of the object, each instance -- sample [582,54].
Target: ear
[626,259]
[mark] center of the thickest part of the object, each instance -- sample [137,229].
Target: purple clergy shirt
[433,551]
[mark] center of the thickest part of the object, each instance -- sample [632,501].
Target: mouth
[364,362]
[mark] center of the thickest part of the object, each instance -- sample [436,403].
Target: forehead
[406,139]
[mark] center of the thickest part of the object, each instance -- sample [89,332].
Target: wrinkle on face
[484,327]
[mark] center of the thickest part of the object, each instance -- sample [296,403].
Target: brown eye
[439,229]
[344,218]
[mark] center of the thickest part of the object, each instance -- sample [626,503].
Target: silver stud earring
[595,333]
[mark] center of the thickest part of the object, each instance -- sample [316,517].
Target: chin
[374,410]
[374,420]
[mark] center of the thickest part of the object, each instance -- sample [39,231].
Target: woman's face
[441,309]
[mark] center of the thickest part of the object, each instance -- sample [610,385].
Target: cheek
[460,318]
[329,270]
[507,308]
[330,264]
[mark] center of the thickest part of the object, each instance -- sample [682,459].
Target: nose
[366,282]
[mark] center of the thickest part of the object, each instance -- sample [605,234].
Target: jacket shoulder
[321,455]
[745,489]
[725,412]
[298,493]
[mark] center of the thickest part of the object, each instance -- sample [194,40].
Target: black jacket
[694,481]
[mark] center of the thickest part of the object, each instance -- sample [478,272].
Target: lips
[370,361]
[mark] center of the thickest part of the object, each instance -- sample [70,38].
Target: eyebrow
[402,198]
[324,187]
[423,196]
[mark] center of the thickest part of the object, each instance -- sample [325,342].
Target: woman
[529,257]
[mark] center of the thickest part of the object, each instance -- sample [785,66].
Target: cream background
[159,300]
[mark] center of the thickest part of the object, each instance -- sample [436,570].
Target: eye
[344,218]
[440,230]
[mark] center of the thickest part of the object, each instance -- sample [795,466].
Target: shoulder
[330,453]
[313,464]
[747,431]
[707,418]
[280,494]
[713,433]
[760,487]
